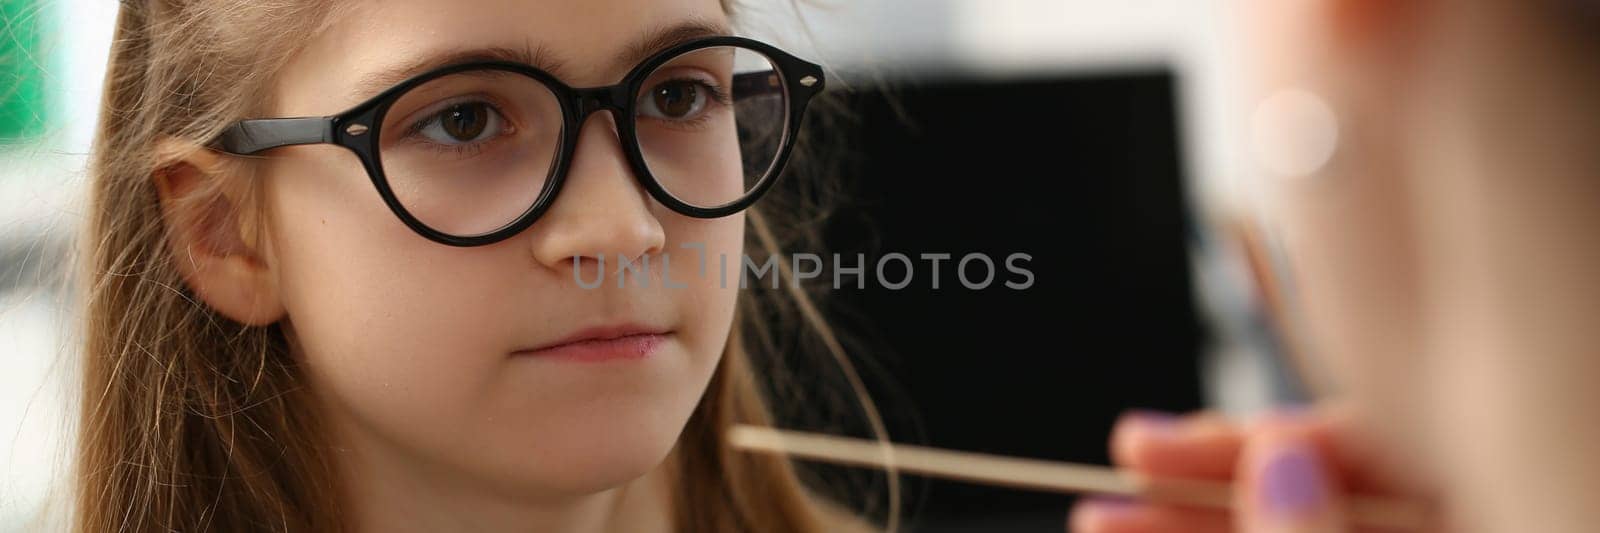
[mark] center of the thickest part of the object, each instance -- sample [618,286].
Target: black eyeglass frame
[358,129]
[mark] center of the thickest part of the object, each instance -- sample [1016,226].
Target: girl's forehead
[376,43]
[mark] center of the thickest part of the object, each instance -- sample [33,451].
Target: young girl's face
[428,355]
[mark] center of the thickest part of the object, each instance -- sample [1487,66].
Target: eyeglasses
[471,154]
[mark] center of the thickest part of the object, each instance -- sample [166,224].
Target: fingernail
[1292,482]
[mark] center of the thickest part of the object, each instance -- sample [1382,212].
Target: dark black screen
[1083,175]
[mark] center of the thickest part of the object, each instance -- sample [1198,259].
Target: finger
[1287,487]
[1359,469]
[1204,446]
[1125,516]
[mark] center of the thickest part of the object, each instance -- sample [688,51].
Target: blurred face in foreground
[1446,258]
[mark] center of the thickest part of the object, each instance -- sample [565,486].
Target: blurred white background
[41,189]
[41,180]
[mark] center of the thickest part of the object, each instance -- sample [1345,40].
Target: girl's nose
[601,210]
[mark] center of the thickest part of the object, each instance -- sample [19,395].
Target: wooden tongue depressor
[1036,474]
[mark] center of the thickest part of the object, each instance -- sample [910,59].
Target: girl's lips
[602,344]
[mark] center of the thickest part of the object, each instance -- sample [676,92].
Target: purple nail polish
[1293,483]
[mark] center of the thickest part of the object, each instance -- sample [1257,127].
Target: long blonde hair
[191,421]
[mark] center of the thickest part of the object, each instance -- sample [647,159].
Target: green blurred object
[23,105]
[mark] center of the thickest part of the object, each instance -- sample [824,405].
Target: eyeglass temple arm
[256,135]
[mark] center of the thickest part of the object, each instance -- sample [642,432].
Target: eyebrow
[379,81]
[538,56]
[669,37]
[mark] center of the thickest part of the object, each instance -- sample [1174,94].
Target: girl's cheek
[704,257]
[365,294]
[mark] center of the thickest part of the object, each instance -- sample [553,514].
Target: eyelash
[718,94]
[415,129]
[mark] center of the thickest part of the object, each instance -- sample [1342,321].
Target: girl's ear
[206,238]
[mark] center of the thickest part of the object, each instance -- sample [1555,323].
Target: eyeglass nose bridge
[589,101]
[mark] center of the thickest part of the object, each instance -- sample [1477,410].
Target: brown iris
[465,122]
[676,99]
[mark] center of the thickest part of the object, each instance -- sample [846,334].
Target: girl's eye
[680,99]
[464,123]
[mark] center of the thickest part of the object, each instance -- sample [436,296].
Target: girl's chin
[582,470]
[581,451]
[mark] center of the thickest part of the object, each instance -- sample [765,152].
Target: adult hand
[1291,474]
